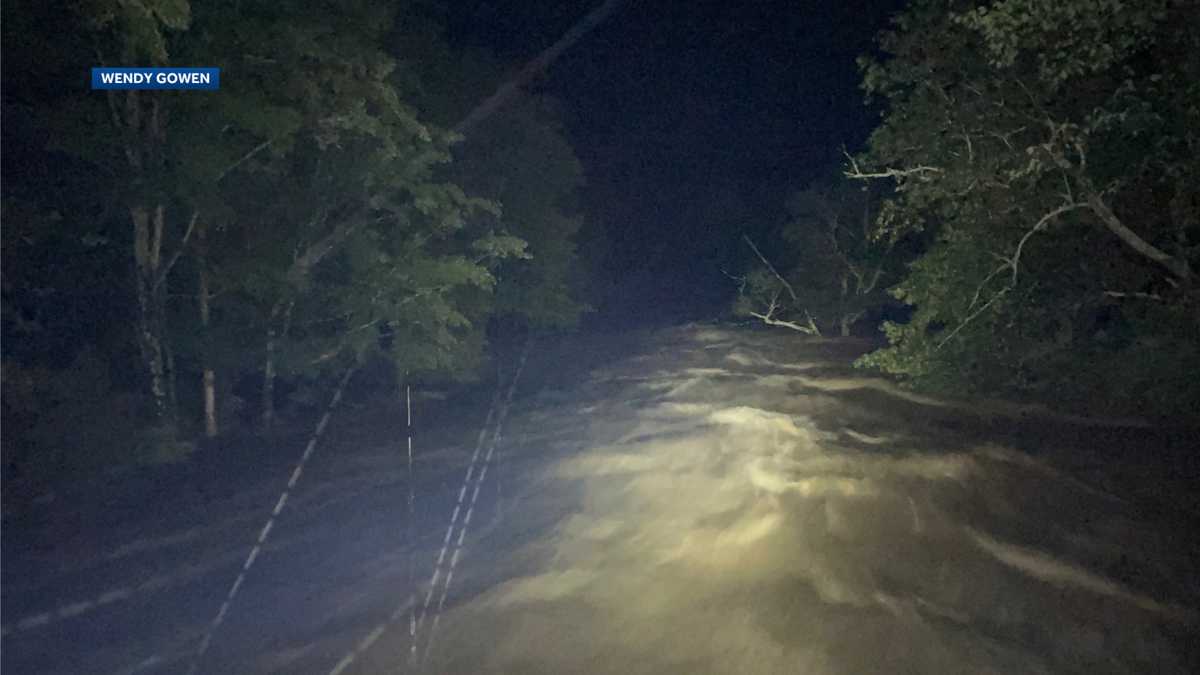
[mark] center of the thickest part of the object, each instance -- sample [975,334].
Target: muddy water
[692,500]
[734,502]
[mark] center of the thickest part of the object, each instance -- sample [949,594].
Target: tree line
[1031,195]
[171,257]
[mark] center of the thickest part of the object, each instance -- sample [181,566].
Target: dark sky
[693,121]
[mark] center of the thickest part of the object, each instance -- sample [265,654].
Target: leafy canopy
[1051,149]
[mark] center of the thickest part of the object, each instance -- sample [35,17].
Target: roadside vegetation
[1033,196]
[183,265]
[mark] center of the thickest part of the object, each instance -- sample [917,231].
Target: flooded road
[697,500]
[740,502]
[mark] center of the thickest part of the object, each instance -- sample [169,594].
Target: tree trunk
[147,248]
[146,127]
[208,379]
[268,390]
[845,320]
[210,403]
[169,376]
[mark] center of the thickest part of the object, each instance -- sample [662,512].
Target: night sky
[693,121]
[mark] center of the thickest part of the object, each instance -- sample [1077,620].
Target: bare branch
[770,320]
[858,174]
[971,317]
[253,151]
[317,251]
[982,284]
[1135,294]
[1176,266]
[741,281]
[1013,264]
[791,291]
[162,275]
[1039,226]
[1004,137]
[863,290]
[807,330]
[892,173]
[374,322]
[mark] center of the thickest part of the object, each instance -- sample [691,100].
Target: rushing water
[736,502]
[691,500]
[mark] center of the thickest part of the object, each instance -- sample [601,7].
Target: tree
[138,32]
[517,156]
[307,217]
[837,268]
[522,160]
[362,233]
[315,185]
[1051,148]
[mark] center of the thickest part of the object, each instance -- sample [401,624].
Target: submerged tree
[837,268]
[1052,150]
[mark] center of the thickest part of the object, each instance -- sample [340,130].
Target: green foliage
[364,236]
[1066,40]
[1051,150]
[319,194]
[139,27]
[521,159]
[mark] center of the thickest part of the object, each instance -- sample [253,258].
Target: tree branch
[254,151]
[863,290]
[982,284]
[791,291]
[1176,266]
[770,320]
[302,263]
[1040,225]
[1143,296]
[784,324]
[971,317]
[162,275]
[857,173]
[1012,263]
[374,322]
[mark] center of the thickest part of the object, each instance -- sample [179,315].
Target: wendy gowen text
[156,78]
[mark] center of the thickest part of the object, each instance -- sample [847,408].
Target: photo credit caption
[203,79]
